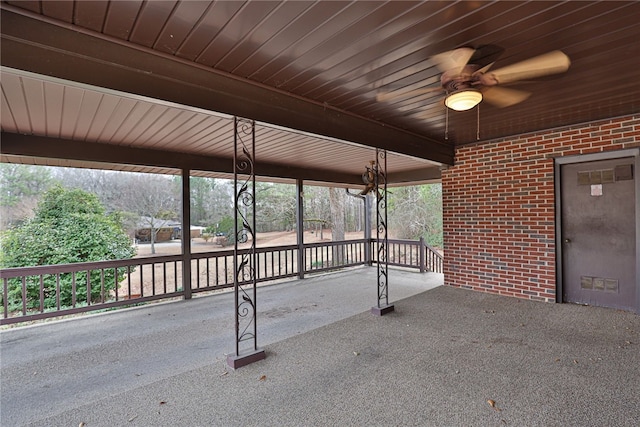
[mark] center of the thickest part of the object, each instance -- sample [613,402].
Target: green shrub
[226,227]
[69,226]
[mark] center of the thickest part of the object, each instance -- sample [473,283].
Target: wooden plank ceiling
[153,85]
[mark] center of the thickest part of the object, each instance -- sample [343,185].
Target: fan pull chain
[446,123]
[478,124]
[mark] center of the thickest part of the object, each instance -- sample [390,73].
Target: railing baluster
[226,274]
[197,276]
[102,285]
[266,267]
[274,255]
[208,272]
[129,281]
[164,277]
[286,261]
[88,284]
[5,297]
[115,279]
[217,272]
[153,280]
[73,289]
[42,293]
[175,276]
[57,291]
[307,259]
[314,258]
[24,296]
[141,281]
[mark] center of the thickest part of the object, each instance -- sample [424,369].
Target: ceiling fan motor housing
[454,80]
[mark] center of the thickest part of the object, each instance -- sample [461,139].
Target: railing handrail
[14,272]
[336,243]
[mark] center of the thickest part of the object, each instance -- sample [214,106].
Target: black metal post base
[381,311]
[236,362]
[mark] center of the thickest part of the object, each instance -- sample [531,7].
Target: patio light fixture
[463,100]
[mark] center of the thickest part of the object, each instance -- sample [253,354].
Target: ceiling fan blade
[485,56]
[453,61]
[483,70]
[502,97]
[388,96]
[549,63]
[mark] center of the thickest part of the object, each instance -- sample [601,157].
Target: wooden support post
[186,234]
[300,228]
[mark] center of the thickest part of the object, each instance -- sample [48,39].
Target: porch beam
[40,45]
[422,176]
[14,144]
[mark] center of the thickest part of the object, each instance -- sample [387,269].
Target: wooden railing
[413,254]
[32,293]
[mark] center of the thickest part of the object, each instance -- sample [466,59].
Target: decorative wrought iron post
[244,262]
[382,239]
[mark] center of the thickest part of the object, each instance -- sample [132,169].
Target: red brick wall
[499,207]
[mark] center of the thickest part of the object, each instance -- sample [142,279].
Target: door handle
[567,240]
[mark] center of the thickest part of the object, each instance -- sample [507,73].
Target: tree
[156,199]
[107,185]
[69,226]
[201,189]
[336,201]
[220,202]
[21,186]
[275,206]
[416,212]
[317,209]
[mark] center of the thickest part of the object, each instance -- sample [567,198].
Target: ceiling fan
[467,79]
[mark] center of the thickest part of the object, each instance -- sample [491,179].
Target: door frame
[582,158]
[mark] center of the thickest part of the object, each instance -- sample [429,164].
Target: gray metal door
[598,233]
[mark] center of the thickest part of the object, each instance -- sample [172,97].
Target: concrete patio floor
[442,358]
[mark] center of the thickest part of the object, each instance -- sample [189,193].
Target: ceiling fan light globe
[463,100]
